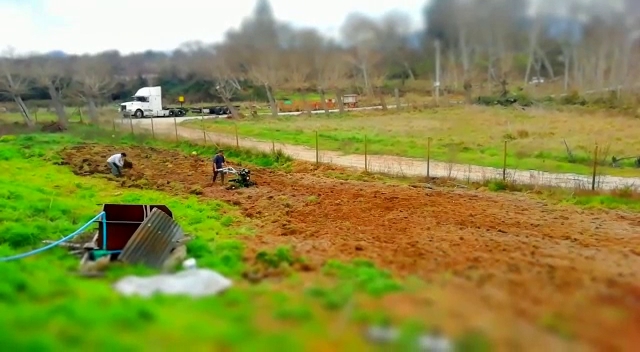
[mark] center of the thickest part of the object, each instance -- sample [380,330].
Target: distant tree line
[470,47]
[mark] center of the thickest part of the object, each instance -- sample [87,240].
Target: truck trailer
[147,102]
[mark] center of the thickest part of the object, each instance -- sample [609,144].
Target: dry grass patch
[463,134]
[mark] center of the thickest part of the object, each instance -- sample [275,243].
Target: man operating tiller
[219,163]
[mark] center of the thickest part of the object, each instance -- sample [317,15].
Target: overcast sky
[90,26]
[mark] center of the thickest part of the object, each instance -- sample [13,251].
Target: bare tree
[226,80]
[258,49]
[464,28]
[92,81]
[14,83]
[325,61]
[537,57]
[628,54]
[266,72]
[215,64]
[298,76]
[394,31]
[226,88]
[334,76]
[499,21]
[534,34]
[361,34]
[303,59]
[52,74]
[600,52]
[378,78]
[322,65]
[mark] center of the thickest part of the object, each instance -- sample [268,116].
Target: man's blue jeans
[115,169]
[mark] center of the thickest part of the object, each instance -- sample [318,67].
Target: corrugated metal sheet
[153,241]
[122,222]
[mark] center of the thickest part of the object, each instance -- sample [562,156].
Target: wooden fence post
[131,124]
[237,139]
[317,151]
[504,162]
[397,96]
[204,133]
[595,168]
[428,156]
[175,125]
[153,130]
[366,156]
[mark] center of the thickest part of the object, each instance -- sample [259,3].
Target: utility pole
[436,84]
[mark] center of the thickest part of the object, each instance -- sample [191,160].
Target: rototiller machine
[242,178]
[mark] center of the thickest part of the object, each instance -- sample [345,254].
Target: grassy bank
[465,135]
[45,307]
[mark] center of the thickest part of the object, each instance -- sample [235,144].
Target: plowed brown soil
[573,272]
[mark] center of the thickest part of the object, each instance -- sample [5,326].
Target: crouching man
[116,162]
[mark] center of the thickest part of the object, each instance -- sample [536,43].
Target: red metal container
[122,222]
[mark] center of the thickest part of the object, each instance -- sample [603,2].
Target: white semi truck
[147,102]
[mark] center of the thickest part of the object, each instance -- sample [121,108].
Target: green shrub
[519,98]
[573,98]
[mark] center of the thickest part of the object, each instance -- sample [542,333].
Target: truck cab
[146,102]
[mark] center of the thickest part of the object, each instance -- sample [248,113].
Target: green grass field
[43,116]
[46,307]
[464,135]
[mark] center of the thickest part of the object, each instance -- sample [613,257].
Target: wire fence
[597,164]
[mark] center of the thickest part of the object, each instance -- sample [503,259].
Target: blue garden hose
[62,240]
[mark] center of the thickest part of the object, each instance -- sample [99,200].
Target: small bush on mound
[53,127]
[506,100]
[573,99]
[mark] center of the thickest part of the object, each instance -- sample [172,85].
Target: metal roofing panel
[153,241]
[122,222]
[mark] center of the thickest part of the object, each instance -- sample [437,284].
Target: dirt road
[396,165]
[523,270]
